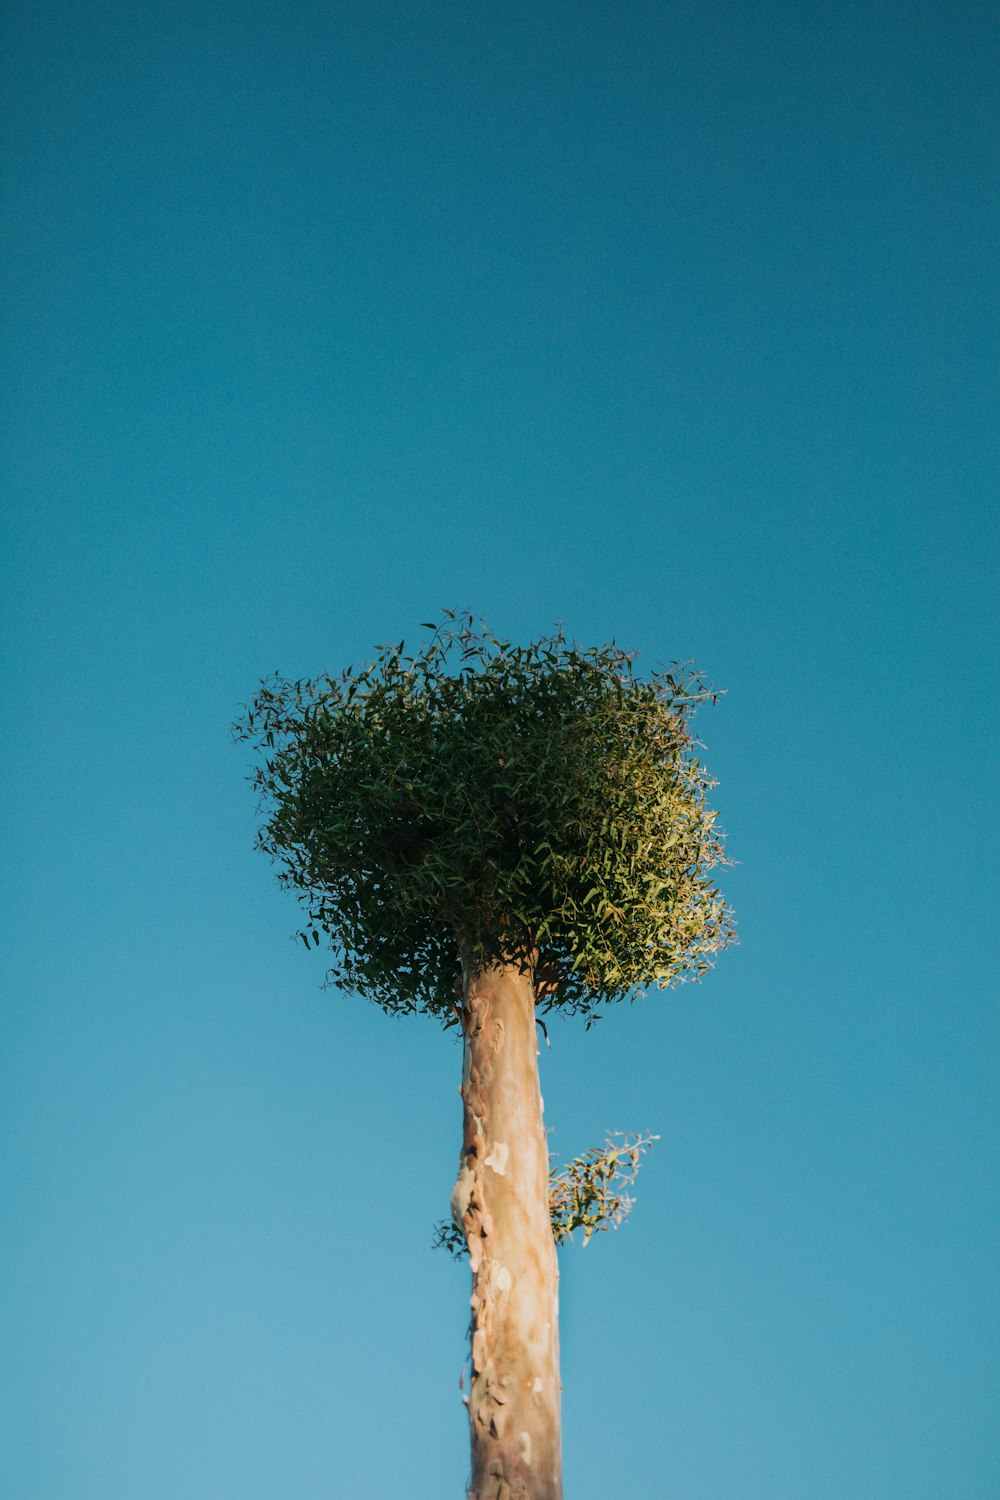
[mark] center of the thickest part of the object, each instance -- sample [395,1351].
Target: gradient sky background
[676,322]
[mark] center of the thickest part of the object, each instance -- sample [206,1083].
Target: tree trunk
[501,1202]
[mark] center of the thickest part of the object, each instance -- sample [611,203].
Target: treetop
[539,804]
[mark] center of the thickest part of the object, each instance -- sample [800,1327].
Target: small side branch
[589,1193]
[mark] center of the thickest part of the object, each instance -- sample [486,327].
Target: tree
[484,832]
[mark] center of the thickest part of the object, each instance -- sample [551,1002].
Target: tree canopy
[539,804]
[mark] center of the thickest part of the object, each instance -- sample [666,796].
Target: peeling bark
[501,1203]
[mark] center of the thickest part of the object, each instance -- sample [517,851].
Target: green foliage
[448,1236]
[536,804]
[589,1193]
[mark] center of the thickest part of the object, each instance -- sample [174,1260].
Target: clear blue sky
[676,322]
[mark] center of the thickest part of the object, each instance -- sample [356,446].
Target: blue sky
[676,323]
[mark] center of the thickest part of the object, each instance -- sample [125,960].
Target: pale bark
[501,1202]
